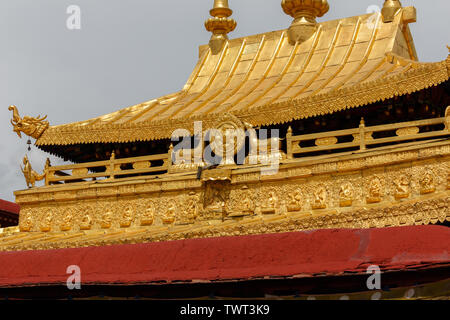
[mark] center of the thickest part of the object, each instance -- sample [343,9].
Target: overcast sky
[131,51]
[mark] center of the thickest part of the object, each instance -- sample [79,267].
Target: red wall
[328,252]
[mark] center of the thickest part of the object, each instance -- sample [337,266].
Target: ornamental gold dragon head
[32,127]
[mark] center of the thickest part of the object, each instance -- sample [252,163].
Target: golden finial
[390,9]
[220,25]
[304,13]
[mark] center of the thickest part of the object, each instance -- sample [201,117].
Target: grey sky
[130,51]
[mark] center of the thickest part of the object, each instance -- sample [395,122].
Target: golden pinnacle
[220,25]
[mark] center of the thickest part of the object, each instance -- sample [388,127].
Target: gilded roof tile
[263,80]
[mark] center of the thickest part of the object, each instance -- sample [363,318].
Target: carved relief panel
[402,187]
[319,198]
[375,190]
[427,182]
[242,201]
[215,197]
[147,212]
[346,194]
[295,200]
[270,199]
[67,218]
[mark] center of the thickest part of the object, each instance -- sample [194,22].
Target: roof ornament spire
[220,25]
[304,13]
[390,10]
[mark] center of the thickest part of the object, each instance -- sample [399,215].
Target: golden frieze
[431,210]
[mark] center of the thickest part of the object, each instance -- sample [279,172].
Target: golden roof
[264,80]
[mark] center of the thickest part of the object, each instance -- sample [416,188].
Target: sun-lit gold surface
[394,186]
[392,174]
[264,80]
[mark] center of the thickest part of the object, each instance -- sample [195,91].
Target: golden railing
[108,169]
[363,137]
[358,139]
